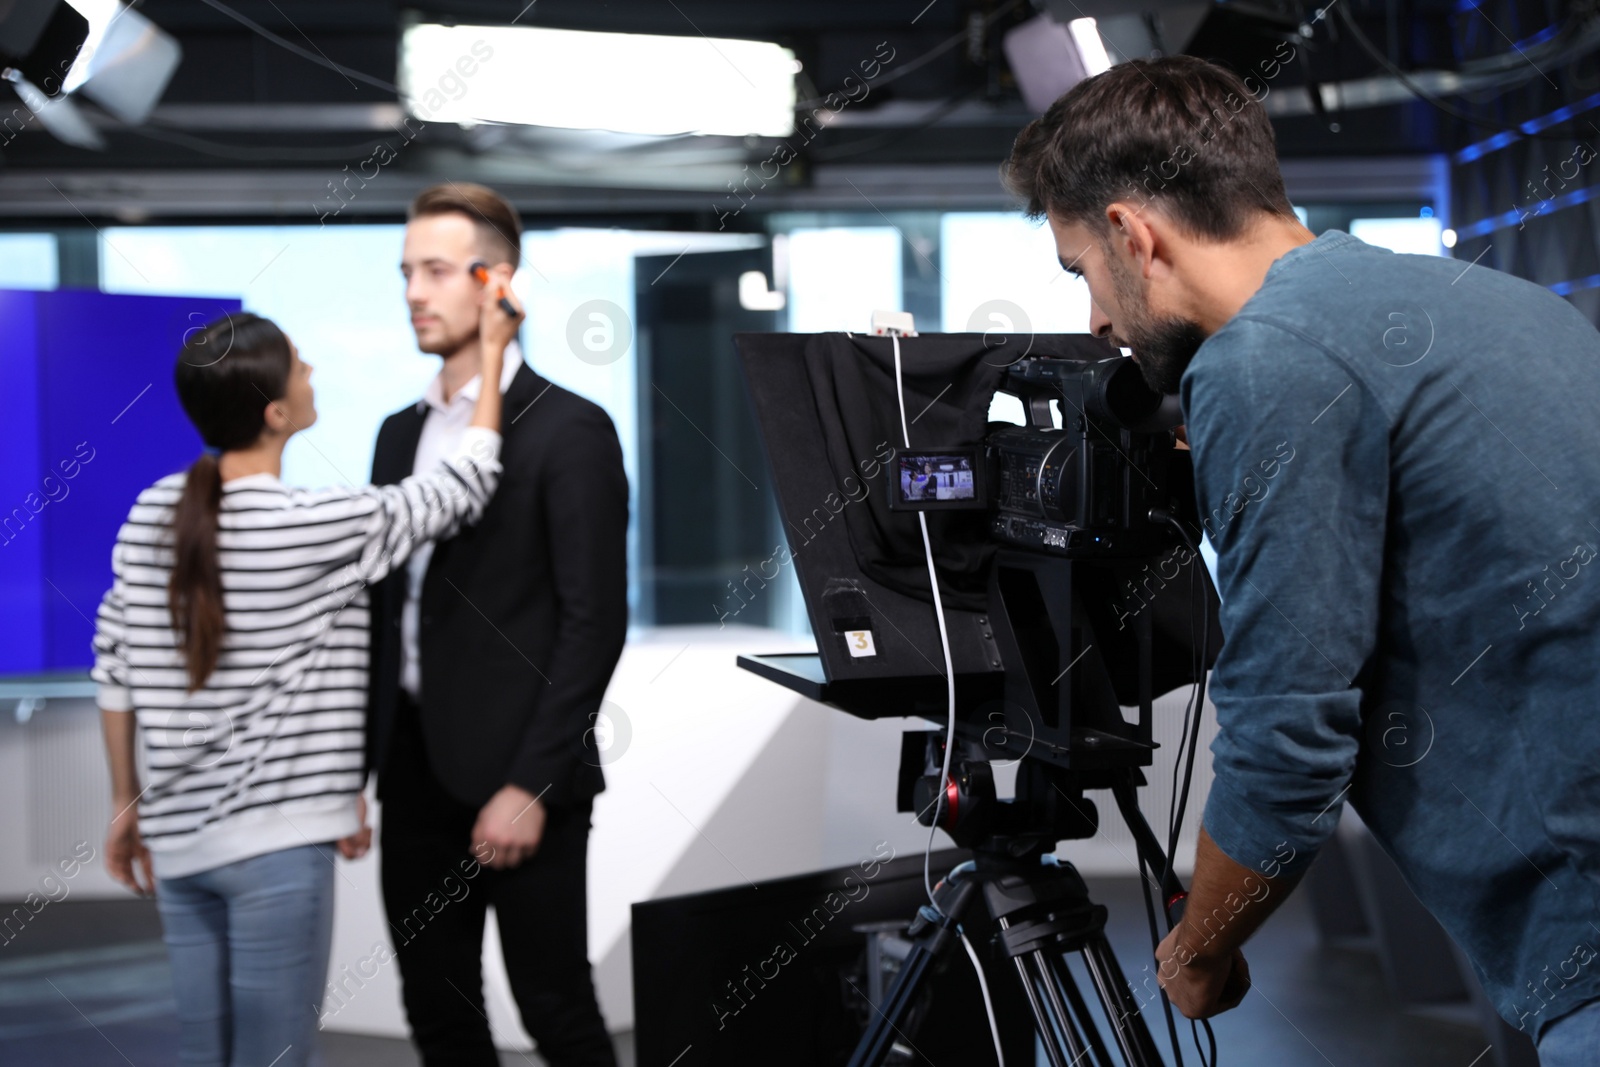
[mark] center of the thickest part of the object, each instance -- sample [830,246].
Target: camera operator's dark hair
[1178,132]
[226,375]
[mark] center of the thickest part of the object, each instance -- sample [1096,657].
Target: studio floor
[87,984]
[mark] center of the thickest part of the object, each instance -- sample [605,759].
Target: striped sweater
[269,753]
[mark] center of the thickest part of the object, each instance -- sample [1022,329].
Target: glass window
[336,291]
[1423,236]
[840,275]
[1001,273]
[28,261]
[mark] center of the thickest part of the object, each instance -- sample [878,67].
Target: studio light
[574,79]
[126,61]
[1091,48]
[51,52]
[1048,57]
[40,39]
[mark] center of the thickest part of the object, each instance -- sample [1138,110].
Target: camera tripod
[1042,914]
[1070,666]
[1056,601]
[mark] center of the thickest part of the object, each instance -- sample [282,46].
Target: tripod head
[1048,806]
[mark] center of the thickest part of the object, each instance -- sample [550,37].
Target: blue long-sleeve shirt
[1397,458]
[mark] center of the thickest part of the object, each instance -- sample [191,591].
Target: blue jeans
[249,943]
[1572,1040]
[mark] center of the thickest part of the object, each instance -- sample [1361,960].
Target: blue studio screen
[91,418]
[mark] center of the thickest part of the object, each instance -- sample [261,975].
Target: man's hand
[511,826]
[1199,986]
[126,857]
[1199,963]
[356,845]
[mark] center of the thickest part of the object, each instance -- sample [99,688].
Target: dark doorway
[706,507]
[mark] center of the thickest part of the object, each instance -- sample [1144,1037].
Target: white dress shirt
[442,426]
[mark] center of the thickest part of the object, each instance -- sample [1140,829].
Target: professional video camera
[1080,479]
[1020,585]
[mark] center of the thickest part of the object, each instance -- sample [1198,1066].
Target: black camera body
[1045,642]
[1082,489]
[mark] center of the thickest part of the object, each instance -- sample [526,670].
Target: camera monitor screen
[946,478]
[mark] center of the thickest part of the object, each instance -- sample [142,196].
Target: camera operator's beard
[1163,345]
[1164,348]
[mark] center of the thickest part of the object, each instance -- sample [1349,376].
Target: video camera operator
[1395,463]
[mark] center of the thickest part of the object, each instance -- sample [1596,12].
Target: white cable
[950,733]
[983,984]
[944,639]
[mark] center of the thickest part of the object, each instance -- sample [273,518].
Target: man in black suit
[490,656]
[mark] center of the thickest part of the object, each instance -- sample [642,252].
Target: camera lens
[1123,395]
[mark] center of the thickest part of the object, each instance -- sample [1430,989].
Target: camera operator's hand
[1200,986]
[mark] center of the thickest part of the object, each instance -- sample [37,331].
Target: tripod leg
[1052,1032]
[880,1035]
[1080,1009]
[1053,991]
[1138,1047]
[932,943]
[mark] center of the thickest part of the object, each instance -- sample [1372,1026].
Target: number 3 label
[860,643]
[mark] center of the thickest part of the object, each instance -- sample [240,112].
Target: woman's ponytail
[226,374]
[194,594]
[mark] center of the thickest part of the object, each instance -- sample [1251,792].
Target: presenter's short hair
[1176,132]
[499,225]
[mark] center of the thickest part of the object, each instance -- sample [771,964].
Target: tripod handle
[1176,904]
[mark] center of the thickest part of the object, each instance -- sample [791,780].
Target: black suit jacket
[522,616]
